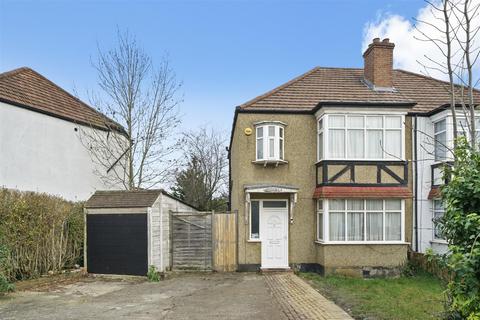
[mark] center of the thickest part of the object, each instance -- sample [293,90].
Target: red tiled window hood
[434,193]
[362,192]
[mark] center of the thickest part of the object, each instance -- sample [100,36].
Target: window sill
[276,163]
[254,240]
[361,242]
[439,241]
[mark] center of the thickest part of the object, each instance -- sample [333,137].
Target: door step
[276,270]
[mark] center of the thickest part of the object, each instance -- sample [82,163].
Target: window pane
[355,144]
[260,148]
[336,143]
[280,130]
[393,144]
[320,124]
[319,205]
[375,122]
[271,147]
[320,145]
[354,204]
[320,226]
[440,126]
[393,204]
[355,226]
[260,132]
[374,144]
[336,204]
[280,145]
[274,204]
[440,146]
[271,131]
[437,215]
[337,226]
[393,122]
[336,121]
[374,205]
[438,205]
[355,122]
[393,226]
[254,221]
[374,226]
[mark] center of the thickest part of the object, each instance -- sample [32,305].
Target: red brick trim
[362,192]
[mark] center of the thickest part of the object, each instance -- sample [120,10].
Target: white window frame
[326,231]
[260,207]
[434,212]
[278,140]
[435,134]
[319,217]
[386,157]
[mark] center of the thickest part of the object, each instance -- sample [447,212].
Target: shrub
[461,227]
[153,275]
[40,233]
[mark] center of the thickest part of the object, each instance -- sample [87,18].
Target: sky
[224,52]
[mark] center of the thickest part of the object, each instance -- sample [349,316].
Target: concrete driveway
[195,296]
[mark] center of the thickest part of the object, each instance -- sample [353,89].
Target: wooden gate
[203,241]
[225,242]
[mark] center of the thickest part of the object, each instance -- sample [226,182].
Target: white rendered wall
[424,181]
[44,154]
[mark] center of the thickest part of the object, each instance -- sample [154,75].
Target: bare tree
[142,99]
[205,177]
[454,32]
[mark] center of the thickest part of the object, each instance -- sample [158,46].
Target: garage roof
[123,199]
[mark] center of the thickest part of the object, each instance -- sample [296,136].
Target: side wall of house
[44,154]
[425,154]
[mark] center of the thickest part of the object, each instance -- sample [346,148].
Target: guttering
[439,109]
[346,104]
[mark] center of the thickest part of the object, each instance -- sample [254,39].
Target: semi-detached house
[324,171]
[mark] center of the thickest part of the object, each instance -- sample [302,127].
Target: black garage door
[117,244]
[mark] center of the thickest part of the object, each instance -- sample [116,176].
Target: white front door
[274,234]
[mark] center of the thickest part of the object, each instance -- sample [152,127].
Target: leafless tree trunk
[456,42]
[143,100]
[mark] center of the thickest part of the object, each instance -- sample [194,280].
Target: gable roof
[27,88]
[127,199]
[346,85]
[123,199]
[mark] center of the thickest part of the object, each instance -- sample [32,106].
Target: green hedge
[38,233]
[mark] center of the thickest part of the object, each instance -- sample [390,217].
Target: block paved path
[299,301]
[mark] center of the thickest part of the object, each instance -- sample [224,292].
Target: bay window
[440,140]
[270,141]
[360,220]
[371,137]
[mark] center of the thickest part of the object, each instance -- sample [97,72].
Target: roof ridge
[100,114]
[430,78]
[14,71]
[280,87]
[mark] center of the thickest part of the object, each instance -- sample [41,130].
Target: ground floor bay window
[360,220]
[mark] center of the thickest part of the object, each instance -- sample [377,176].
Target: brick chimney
[378,65]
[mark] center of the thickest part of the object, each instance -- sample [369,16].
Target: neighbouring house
[40,145]
[434,148]
[323,169]
[128,231]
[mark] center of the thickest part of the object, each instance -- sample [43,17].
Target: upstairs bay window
[360,220]
[368,137]
[270,141]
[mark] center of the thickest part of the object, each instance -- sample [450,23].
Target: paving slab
[299,301]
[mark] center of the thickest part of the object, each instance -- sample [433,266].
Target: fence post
[213,235]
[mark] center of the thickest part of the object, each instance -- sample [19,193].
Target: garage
[128,231]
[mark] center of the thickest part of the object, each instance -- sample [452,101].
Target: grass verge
[408,297]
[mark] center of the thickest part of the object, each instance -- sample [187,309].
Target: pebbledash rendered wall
[44,154]
[300,152]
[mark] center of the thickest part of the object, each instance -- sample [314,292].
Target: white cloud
[409,51]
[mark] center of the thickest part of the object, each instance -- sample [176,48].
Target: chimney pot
[378,64]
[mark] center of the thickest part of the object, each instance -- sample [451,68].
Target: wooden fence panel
[191,241]
[203,241]
[225,242]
